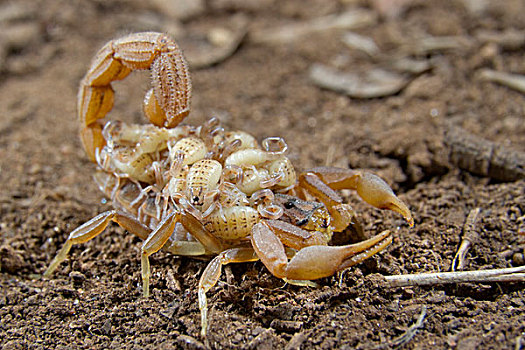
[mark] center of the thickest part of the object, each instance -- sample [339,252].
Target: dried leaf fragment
[217,46]
[370,84]
[510,39]
[432,44]
[411,65]
[351,19]
[514,81]
[360,42]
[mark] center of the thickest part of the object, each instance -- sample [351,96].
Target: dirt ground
[434,140]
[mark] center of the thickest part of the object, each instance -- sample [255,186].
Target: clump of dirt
[254,75]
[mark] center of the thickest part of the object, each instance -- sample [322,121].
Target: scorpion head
[309,215]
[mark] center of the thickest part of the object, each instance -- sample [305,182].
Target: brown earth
[94,299]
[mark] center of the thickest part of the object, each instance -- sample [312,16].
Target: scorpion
[205,191]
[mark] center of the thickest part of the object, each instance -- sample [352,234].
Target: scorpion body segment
[193,149]
[232,223]
[203,177]
[201,190]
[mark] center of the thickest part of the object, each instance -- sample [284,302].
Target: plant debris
[370,84]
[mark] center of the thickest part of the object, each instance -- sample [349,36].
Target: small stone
[518,259]
[106,327]
[77,276]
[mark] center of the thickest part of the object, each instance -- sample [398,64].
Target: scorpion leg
[212,273]
[185,248]
[182,243]
[197,230]
[295,237]
[160,236]
[311,262]
[94,227]
[341,213]
[166,104]
[153,243]
[321,182]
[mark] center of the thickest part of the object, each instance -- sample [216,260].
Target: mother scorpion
[204,191]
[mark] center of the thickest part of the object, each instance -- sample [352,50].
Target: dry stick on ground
[470,237]
[518,342]
[514,81]
[512,274]
[409,333]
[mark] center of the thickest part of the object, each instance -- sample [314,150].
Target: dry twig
[512,274]
[470,237]
[409,333]
[514,81]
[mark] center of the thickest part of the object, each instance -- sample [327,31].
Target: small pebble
[518,259]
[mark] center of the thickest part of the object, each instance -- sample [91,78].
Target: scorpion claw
[371,188]
[375,191]
[314,261]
